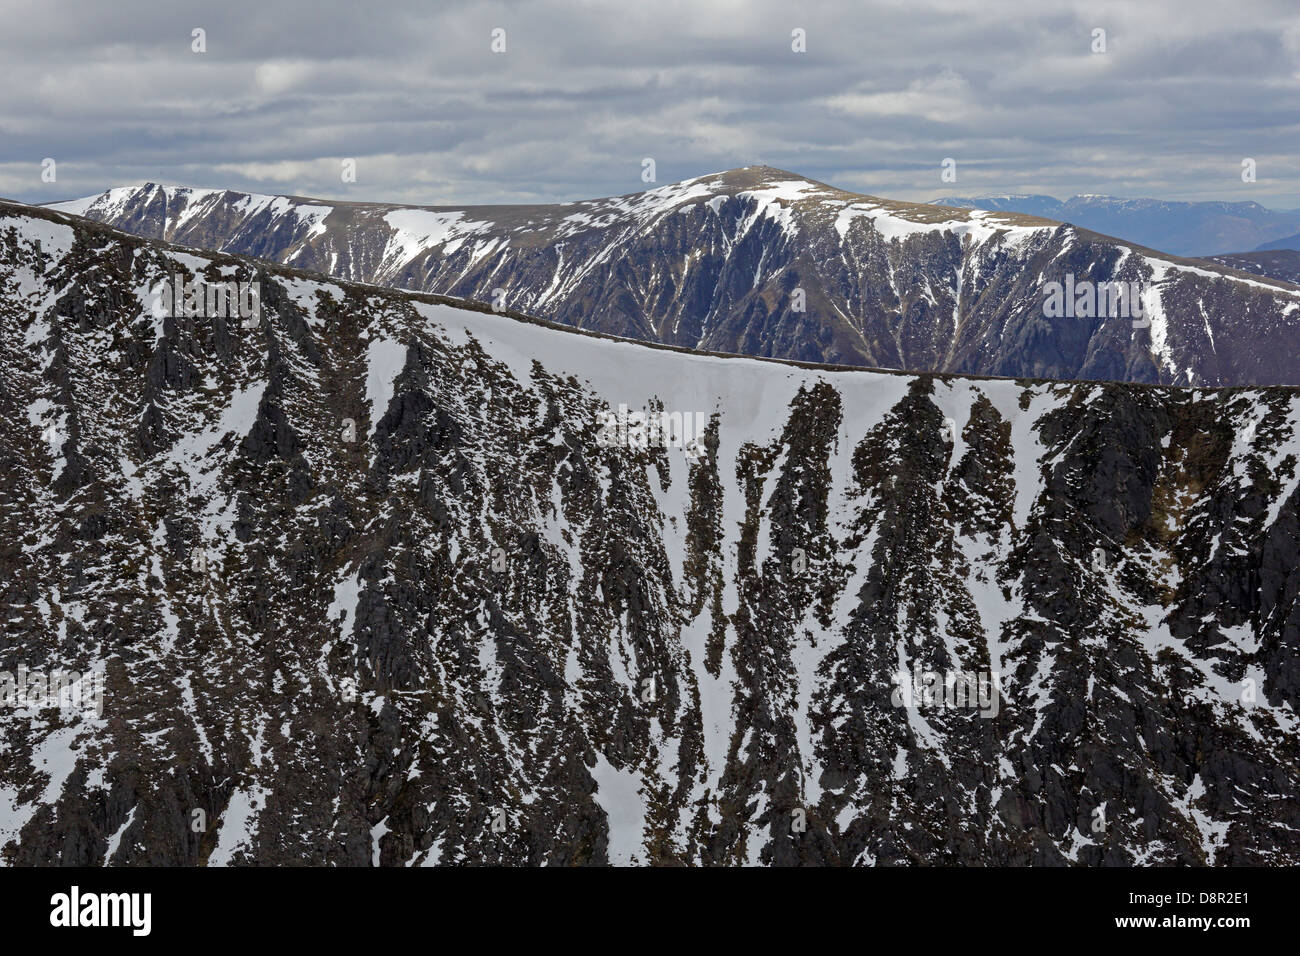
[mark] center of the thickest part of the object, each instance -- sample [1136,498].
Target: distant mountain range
[762,262]
[1181,228]
[364,583]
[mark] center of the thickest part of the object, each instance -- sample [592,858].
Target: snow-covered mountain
[1180,228]
[372,579]
[758,261]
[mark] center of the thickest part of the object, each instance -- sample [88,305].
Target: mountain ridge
[1291,243]
[1282,264]
[56,215]
[762,262]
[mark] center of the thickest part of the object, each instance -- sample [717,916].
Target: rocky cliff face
[372,581]
[760,262]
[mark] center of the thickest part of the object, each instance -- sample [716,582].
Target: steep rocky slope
[758,261]
[369,588]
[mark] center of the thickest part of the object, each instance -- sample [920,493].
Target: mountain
[1180,228]
[1289,242]
[1282,264]
[760,262]
[385,578]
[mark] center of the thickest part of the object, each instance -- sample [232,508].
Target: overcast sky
[585,91]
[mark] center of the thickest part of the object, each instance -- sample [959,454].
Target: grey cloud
[884,93]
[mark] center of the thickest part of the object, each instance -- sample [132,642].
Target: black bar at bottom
[337,906]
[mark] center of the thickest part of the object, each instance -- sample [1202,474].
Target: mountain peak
[750,177]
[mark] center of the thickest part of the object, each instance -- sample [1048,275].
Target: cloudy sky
[286,91]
